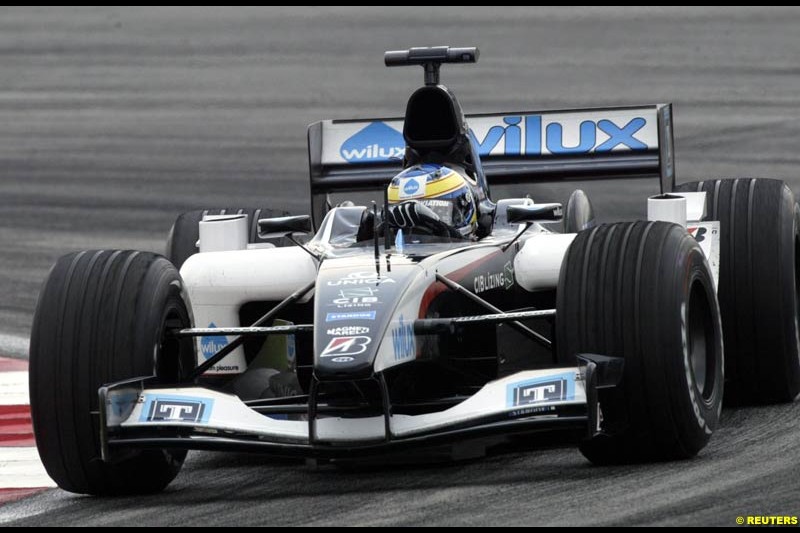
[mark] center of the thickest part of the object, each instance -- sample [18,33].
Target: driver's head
[443,190]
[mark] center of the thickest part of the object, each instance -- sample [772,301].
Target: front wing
[139,413]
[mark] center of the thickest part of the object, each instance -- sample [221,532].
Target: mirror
[518,214]
[281,226]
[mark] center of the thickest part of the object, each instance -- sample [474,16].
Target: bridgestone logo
[346,346]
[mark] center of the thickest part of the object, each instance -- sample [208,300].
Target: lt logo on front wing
[176,409]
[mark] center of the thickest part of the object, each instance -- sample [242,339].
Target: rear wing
[529,147]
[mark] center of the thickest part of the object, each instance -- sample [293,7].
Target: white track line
[20,468]
[14,388]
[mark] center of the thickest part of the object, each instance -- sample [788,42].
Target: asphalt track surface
[113,121]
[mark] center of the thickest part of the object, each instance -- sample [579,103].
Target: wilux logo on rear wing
[512,135]
[513,147]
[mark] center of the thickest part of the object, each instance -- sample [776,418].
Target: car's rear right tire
[759,284]
[643,292]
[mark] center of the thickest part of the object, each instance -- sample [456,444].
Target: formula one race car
[411,310]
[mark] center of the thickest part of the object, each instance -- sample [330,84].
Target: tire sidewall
[702,414]
[168,295]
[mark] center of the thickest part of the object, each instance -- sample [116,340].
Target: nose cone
[353,306]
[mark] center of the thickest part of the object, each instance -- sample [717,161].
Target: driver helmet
[443,190]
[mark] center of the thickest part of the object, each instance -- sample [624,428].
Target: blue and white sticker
[212,344]
[121,404]
[400,242]
[554,388]
[356,315]
[413,187]
[404,342]
[176,409]
[376,142]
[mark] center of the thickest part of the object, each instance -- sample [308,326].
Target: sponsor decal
[412,187]
[355,315]
[342,346]
[212,344]
[376,142]
[404,341]
[508,275]
[698,233]
[528,135]
[494,280]
[176,409]
[360,278]
[356,297]
[225,368]
[121,403]
[348,330]
[400,242]
[707,236]
[516,135]
[343,359]
[350,303]
[357,292]
[437,203]
[541,390]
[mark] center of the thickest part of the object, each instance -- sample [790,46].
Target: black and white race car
[413,310]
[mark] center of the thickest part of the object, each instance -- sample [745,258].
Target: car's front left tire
[102,317]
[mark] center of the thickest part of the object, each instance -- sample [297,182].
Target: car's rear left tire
[643,292]
[101,318]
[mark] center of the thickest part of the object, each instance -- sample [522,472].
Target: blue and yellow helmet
[443,190]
